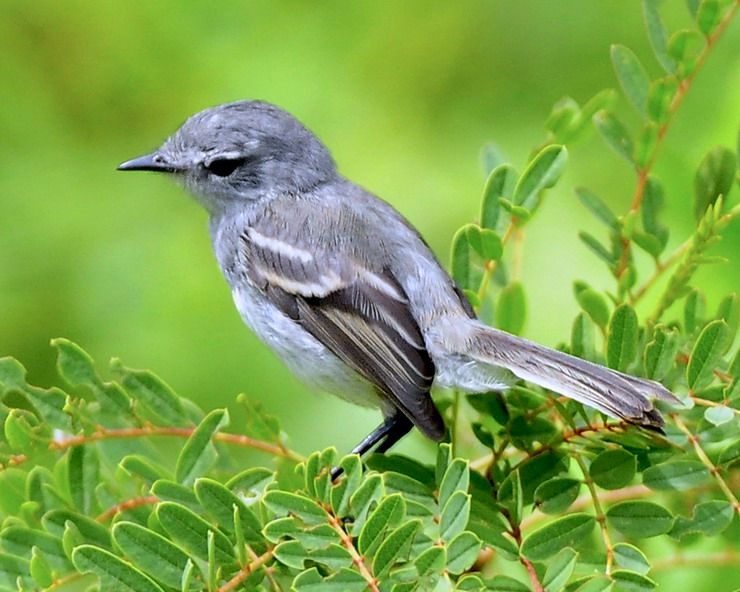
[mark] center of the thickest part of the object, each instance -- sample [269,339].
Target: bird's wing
[362,315]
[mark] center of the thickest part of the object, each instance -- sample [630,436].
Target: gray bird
[346,291]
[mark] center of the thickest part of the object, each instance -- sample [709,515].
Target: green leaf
[292,554]
[630,557]
[594,304]
[562,532]
[640,519]
[646,144]
[395,547]
[708,16]
[456,478]
[455,514]
[500,183]
[491,157]
[582,342]
[114,573]
[559,570]
[462,551]
[250,482]
[729,311]
[190,531]
[657,34]
[719,415]
[660,98]
[259,424]
[615,134]
[388,513]
[151,552]
[613,469]
[284,502]
[430,561]
[344,580]
[333,556]
[705,354]
[55,521]
[367,493]
[511,309]
[713,178]
[709,518]
[199,454]
[352,477]
[21,540]
[631,75]
[621,348]
[556,495]
[40,569]
[596,247]
[631,581]
[220,502]
[485,242]
[461,266]
[153,394]
[660,353]
[76,367]
[684,47]
[174,492]
[597,207]
[676,474]
[141,466]
[83,468]
[542,173]
[652,204]
[563,119]
[730,453]
[694,311]
[490,404]
[15,573]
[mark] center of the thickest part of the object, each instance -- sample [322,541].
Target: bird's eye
[223,167]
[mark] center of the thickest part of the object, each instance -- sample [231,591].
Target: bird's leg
[385,435]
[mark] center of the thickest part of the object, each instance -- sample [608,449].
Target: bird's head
[240,152]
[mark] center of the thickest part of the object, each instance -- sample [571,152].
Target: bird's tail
[617,394]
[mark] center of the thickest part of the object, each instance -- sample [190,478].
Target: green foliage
[555,495]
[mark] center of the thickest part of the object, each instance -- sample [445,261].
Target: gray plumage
[344,289]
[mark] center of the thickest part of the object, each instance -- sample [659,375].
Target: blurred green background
[405,94]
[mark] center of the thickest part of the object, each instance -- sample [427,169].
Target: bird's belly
[311,361]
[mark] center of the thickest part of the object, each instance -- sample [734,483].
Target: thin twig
[643,172]
[599,512]
[246,571]
[130,504]
[706,461]
[357,559]
[123,433]
[516,533]
[705,560]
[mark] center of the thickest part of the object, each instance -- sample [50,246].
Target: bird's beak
[148,162]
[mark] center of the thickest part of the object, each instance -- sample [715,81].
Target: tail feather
[617,394]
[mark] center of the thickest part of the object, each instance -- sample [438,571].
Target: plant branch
[599,512]
[660,268]
[130,504]
[706,560]
[246,571]
[516,533]
[706,461]
[357,559]
[643,172]
[683,89]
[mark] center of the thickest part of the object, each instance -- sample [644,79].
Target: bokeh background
[405,94]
